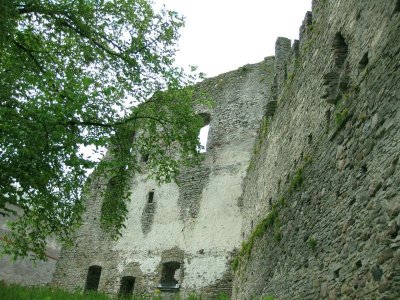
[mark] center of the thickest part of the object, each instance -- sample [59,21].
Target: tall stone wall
[321,201]
[195,222]
[309,206]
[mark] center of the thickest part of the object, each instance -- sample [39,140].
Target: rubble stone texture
[338,121]
[325,161]
[194,223]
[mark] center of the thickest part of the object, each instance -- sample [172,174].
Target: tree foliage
[75,73]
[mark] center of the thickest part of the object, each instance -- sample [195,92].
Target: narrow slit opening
[363,62]
[150,197]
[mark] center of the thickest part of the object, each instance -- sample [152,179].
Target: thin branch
[78,29]
[29,53]
[111,125]
[91,39]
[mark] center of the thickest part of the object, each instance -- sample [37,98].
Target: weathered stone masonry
[327,165]
[322,177]
[183,232]
[24,271]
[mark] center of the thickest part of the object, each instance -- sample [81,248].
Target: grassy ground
[16,292]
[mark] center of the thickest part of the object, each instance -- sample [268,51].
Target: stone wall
[25,271]
[313,196]
[194,222]
[321,201]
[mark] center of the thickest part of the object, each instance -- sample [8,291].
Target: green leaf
[66,71]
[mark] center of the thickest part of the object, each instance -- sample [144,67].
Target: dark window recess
[340,49]
[145,157]
[328,116]
[364,61]
[336,273]
[397,7]
[170,273]
[127,285]
[93,278]
[150,197]
[358,263]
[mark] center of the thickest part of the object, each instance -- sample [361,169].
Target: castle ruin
[298,195]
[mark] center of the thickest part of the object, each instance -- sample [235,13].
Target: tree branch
[111,125]
[29,53]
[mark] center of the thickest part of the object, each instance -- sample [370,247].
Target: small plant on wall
[297,179]
[312,243]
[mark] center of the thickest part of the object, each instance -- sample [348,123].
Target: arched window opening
[170,275]
[203,134]
[127,286]
[93,278]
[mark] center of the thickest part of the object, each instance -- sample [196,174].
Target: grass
[282,201]
[297,63]
[17,292]
[272,219]
[297,179]
[244,69]
[263,131]
[247,246]
[290,77]
[342,106]
[341,116]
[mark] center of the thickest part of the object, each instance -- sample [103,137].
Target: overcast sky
[223,35]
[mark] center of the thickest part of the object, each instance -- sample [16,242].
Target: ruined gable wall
[324,180]
[195,221]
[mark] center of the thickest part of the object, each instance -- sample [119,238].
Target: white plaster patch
[212,231]
[147,264]
[203,271]
[166,225]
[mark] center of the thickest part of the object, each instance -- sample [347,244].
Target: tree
[75,73]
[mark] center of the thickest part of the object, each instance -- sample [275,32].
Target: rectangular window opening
[170,277]
[150,197]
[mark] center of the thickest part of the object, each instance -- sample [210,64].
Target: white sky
[223,35]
